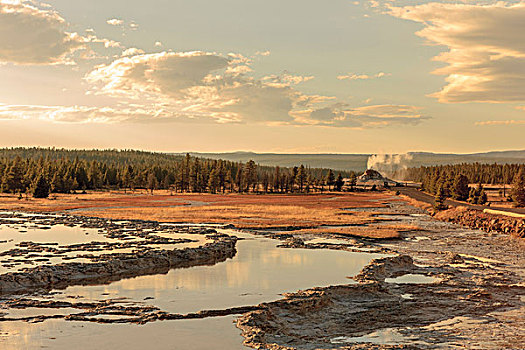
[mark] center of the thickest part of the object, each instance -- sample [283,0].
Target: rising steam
[392,165]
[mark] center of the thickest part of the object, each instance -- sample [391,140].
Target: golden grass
[242,216]
[247,211]
[415,203]
[362,232]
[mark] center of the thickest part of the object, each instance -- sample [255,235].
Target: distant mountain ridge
[358,162]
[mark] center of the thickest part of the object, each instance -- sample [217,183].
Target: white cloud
[263,53]
[353,76]
[158,44]
[165,73]
[29,35]
[115,22]
[85,114]
[132,51]
[211,87]
[486,57]
[501,122]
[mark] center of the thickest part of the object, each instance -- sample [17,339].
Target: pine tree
[339,183]
[194,176]
[460,189]
[152,182]
[13,179]
[518,189]
[41,188]
[239,181]
[214,182]
[352,181]
[330,178]
[439,203]
[276,179]
[265,182]
[301,177]
[250,175]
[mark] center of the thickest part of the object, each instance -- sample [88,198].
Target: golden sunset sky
[266,76]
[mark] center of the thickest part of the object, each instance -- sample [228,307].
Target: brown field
[248,211]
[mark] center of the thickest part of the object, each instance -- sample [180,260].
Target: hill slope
[358,162]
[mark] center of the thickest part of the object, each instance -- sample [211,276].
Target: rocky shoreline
[116,266]
[478,220]
[462,295]
[113,265]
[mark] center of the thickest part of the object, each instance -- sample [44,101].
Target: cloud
[122,24]
[263,53]
[485,61]
[132,51]
[115,22]
[198,84]
[158,44]
[218,88]
[29,35]
[501,122]
[165,73]
[352,76]
[342,115]
[85,114]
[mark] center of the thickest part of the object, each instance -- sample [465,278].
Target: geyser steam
[390,164]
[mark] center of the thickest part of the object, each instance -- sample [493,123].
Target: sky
[294,76]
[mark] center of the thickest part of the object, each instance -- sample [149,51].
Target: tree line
[40,171]
[494,174]
[452,181]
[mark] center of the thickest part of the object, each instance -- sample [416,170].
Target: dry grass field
[245,211]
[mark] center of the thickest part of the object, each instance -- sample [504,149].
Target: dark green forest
[494,174]
[40,171]
[452,181]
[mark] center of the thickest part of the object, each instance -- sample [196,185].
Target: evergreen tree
[439,203]
[330,179]
[41,188]
[339,183]
[460,189]
[301,177]
[13,179]
[239,181]
[250,175]
[214,181]
[265,182]
[277,179]
[195,175]
[352,181]
[518,189]
[152,182]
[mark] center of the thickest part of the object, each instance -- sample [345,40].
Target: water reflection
[63,335]
[259,272]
